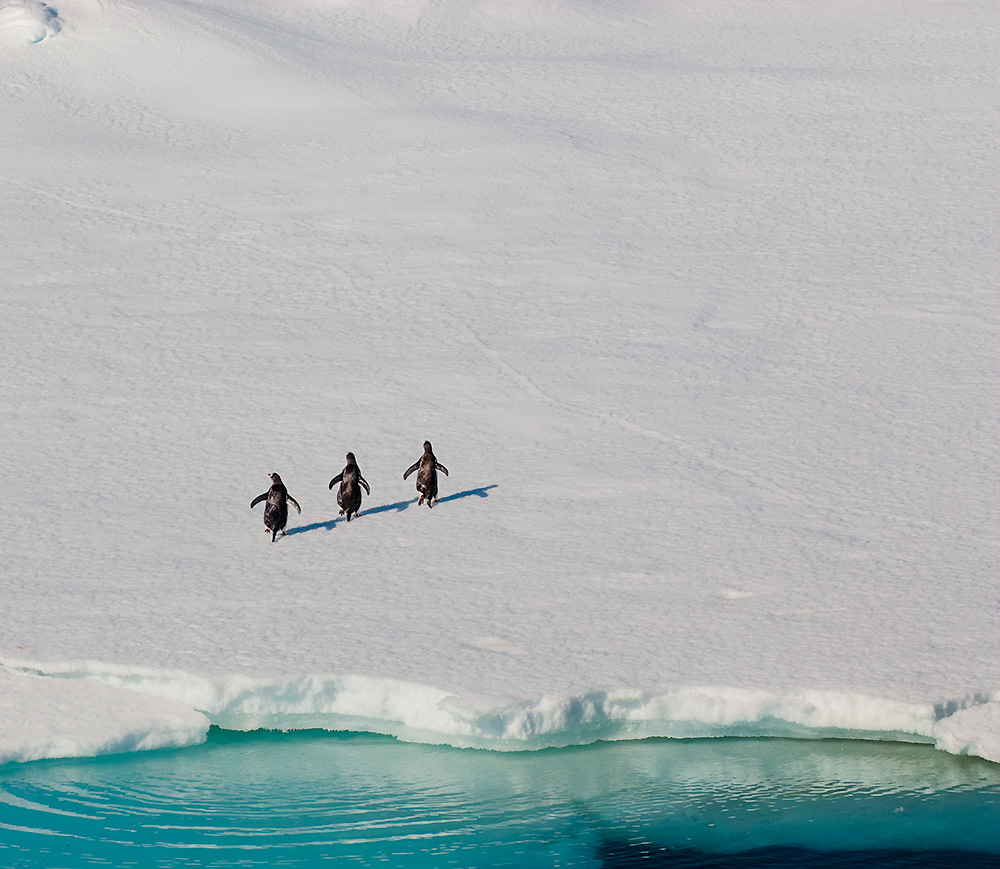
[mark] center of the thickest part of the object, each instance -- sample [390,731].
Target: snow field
[697,307]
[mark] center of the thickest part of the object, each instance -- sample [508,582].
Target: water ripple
[311,798]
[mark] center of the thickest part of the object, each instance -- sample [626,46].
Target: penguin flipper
[441,468]
[257,500]
[337,479]
[411,469]
[364,483]
[294,503]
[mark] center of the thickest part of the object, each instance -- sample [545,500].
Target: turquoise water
[313,799]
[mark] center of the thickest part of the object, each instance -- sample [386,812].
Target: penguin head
[275,478]
[427,446]
[351,460]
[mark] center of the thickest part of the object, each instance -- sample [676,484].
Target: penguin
[427,480]
[276,509]
[349,494]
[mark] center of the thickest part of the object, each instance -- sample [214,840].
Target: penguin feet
[341,513]
[420,500]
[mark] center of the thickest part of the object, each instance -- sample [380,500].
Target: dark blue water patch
[630,854]
[313,799]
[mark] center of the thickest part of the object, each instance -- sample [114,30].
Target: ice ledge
[974,730]
[47,718]
[81,708]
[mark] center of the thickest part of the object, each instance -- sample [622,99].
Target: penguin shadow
[398,507]
[481,492]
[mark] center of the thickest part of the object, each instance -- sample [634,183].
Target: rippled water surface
[304,799]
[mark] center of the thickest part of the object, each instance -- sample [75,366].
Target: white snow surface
[46,718]
[24,21]
[696,302]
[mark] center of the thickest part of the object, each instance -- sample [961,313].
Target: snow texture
[26,21]
[696,302]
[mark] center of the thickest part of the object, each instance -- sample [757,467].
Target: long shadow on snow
[481,492]
[399,506]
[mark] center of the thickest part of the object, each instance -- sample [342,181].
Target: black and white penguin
[349,494]
[427,479]
[276,508]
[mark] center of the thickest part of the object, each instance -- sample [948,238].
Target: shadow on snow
[398,507]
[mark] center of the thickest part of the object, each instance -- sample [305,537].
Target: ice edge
[421,713]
